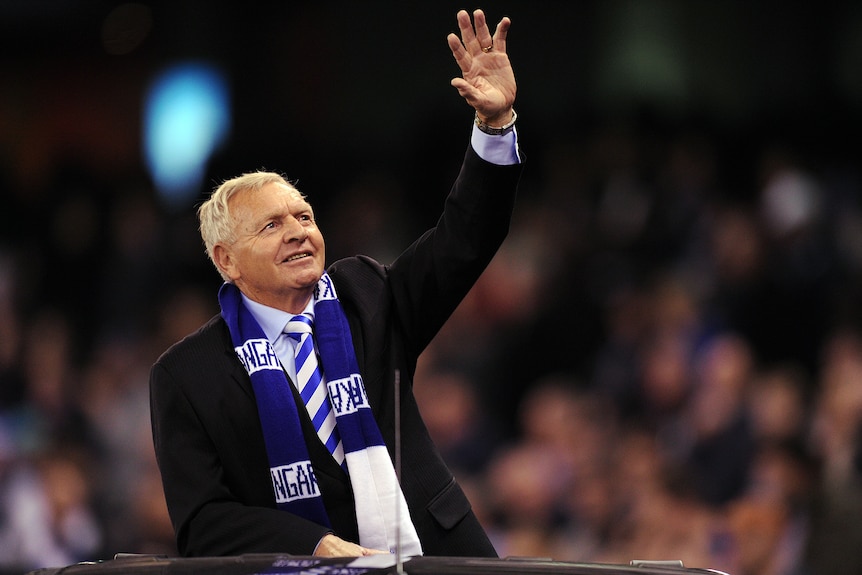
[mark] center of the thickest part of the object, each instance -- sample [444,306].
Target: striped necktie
[312,387]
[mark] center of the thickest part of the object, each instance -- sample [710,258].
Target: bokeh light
[187,117]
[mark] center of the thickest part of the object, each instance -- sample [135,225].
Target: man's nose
[294,230]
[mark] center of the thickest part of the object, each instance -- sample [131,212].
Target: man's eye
[269,226]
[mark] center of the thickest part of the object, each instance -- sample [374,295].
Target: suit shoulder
[362,284]
[357,265]
[357,274]
[202,345]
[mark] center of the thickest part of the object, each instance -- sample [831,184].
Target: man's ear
[223,258]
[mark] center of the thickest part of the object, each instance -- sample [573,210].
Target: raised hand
[488,82]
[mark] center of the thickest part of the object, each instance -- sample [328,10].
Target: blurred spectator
[734,269]
[49,409]
[777,402]
[456,421]
[771,520]
[836,523]
[46,506]
[580,428]
[527,483]
[722,445]
[615,374]
[757,528]
[115,401]
[658,516]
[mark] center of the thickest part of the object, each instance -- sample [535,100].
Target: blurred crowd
[664,361]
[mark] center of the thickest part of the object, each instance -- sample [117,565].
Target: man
[251,460]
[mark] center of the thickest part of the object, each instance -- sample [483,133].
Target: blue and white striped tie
[312,386]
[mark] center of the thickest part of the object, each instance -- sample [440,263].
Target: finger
[483,34]
[501,33]
[462,57]
[467,91]
[468,35]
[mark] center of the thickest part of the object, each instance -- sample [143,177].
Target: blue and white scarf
[380,505]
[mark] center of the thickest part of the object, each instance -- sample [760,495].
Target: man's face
[279,253]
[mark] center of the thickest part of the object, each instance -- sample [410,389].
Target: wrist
[321,549]
[498,125]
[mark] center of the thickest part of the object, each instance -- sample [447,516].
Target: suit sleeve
[210,518]
[436,272]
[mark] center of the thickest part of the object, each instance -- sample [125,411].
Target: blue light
[187,117]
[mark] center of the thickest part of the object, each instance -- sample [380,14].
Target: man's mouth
[295,257]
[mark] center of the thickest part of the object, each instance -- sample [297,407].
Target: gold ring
[489,48]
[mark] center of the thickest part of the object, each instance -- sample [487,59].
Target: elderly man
[274,424]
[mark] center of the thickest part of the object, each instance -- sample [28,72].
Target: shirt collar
[272,320]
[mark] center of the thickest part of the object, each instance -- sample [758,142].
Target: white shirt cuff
[501,150]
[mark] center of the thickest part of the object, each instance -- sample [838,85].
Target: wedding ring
[489,48]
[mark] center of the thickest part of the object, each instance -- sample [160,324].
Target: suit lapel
[232,365]
[372,388]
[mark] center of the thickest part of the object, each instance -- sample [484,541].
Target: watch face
[277,564]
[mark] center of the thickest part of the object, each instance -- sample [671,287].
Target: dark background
[338,95]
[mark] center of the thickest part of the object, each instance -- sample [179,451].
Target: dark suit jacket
[207,432]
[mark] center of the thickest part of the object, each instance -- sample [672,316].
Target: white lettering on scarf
[325,290]
[293,482]
[257,354]
[347,395]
